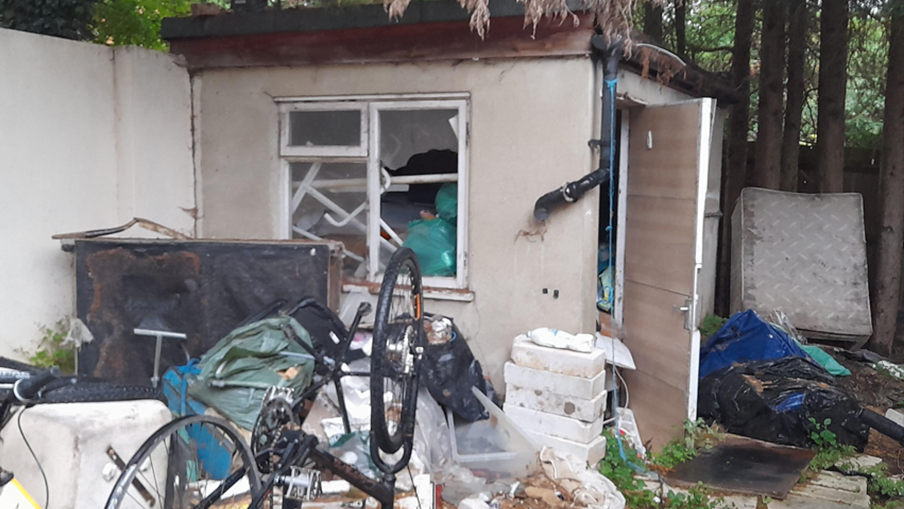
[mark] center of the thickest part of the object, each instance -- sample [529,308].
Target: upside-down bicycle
[203,462]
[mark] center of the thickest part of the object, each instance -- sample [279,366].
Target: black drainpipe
[573,191]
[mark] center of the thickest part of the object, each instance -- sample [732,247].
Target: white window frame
[285,149]
[370,106]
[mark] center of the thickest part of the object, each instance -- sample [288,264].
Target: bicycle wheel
[193,462]
[397,342]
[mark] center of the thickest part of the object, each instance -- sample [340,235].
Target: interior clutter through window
[605,269]
[376,175]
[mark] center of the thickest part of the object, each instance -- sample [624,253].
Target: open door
[672,208]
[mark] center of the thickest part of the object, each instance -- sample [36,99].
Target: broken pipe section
[572,191]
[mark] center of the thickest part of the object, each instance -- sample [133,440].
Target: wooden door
[672,203]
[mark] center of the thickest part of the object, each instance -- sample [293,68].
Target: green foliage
[711,325]
[697,435]
[137,22]
[710,37]
[882,486]
[637,494]
[825,443]
[673,453]
[697,497]
[621,474]
[51,351]
[69,19]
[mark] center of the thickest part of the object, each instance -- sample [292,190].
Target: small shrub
[51,350]
[711,325]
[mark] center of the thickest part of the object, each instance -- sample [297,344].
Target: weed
[637,494]
[711,325]
[697,497]
[697,435]
[51,351]
[881,485]
[825,443]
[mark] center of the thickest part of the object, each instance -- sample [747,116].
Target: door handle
[686,309]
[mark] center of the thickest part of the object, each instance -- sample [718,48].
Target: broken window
[377,175]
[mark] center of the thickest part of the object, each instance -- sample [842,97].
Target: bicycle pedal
[302,484]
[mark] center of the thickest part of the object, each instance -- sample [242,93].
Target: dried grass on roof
[614,17]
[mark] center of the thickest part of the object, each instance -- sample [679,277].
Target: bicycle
[283,464]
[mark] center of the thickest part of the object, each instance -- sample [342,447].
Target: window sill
[432,293]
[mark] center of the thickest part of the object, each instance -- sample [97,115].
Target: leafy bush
[711,325]
[52,351]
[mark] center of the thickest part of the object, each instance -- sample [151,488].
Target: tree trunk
[891,189]
[794,103]
[681,28]
[768,168]
[833,43]
[652,21]
[735,172]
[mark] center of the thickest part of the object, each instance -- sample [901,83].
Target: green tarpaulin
[237,371]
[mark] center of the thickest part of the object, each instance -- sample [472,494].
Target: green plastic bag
[434,242]
[447,203]
[237,371]
[825,360]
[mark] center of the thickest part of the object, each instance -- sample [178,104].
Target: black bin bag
[773,400]
[450,370]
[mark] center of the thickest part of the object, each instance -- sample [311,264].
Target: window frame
[370,107]
[287,150]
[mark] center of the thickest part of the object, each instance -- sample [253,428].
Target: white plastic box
[494,448]
[71,442]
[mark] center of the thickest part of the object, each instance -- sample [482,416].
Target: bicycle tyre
[124,488]
[74,390]
[387,369]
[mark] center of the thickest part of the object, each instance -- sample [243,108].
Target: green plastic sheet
[237,371]
[825,360]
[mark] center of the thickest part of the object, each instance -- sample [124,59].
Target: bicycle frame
[303,448]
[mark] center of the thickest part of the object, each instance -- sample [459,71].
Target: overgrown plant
[882,486]
[825,443]
[637,494]
[52,350]
[697,435]
[711,325]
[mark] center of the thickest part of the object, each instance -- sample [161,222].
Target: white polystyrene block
[592,453]
[528,354]
[579,387]
[71,442]
[555,403]
[555,425]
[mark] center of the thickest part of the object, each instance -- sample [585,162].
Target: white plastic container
[494,448]
[71,441]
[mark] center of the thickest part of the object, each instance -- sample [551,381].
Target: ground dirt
[878,392]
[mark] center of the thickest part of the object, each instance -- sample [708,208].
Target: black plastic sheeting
[201,288]
[450,370]
[774,400]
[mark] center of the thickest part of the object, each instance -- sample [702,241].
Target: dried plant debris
[613,17]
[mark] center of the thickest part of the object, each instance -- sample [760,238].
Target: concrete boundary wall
[90,137]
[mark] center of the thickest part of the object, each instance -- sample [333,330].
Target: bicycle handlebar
[27,388]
